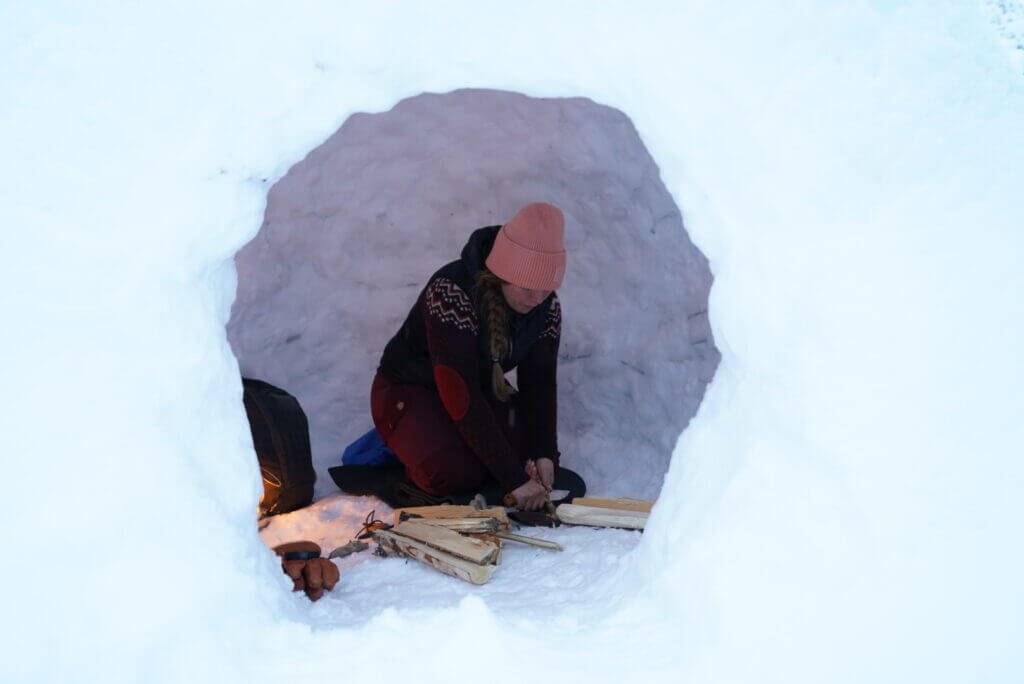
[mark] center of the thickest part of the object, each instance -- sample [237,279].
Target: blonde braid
[488,289]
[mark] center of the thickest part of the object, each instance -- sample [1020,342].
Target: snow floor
[530,585]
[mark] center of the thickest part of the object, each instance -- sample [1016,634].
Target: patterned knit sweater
[443,345]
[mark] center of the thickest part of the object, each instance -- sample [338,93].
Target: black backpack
[280,433]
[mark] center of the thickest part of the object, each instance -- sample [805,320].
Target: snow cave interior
[353,230]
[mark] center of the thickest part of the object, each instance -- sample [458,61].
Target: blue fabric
[369,450]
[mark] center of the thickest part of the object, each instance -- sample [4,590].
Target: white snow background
[844,507]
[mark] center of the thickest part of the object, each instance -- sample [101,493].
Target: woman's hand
[530,496]
[531,469]
[546,472]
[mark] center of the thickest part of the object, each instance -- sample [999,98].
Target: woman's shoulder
[456,272]
[441,285]
[445,300]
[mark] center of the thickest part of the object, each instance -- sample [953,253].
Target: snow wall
[845,505]
[353,231]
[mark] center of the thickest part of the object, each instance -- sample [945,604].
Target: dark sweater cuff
[510,484]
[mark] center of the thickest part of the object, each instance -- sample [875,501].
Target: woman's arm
[538,391]
[452,327]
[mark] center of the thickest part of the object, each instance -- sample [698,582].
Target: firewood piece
[474,550]
[532,541]
[388,541]
[572,514]
[621,504]
[490,539]
[448,511]
[463,525]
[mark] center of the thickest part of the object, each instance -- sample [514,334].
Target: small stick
[354,546]
[532,541]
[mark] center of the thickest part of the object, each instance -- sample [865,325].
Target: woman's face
[522,300]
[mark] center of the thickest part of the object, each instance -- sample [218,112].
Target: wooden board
[453,512]
[620,504]
[572,514]
[491,539]
[532,541]
[439,560]
[464,525]
[468,548]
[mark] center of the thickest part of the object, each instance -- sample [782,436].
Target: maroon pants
[415,425]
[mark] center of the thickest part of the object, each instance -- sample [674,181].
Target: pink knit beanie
[528,250]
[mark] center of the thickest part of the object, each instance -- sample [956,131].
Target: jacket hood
[474,254]
[477,248]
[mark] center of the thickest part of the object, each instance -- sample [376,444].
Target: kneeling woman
[440,398]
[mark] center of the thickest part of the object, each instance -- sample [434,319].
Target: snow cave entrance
[352,232]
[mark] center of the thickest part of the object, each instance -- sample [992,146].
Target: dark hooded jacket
[443,345]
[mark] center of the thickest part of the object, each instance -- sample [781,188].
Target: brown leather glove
[302,562]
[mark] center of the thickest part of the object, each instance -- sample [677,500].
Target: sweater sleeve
[538,392]
[452,327]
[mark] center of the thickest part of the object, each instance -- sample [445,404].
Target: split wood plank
[532,541]
[439,560]
[463,525]
[450,511]
[491,539]
[593,516]
[620,504]
[468,548]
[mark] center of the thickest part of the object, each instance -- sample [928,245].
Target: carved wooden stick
[532,541]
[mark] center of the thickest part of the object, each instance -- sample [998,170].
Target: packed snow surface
[844,506]
[530,586]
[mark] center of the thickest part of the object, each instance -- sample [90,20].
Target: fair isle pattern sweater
[452,339]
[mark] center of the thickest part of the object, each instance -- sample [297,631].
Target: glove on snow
[302,562]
